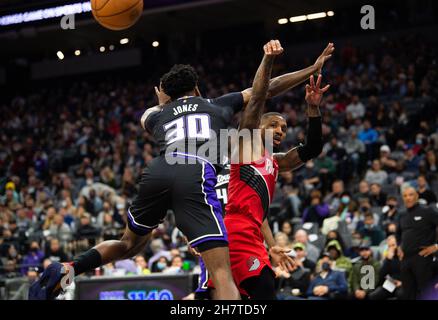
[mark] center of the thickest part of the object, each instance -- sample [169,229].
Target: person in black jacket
[418,235]
[390,271]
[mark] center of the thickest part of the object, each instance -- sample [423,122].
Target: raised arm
[253,112]
[285,82]
[162,100]
[298,156]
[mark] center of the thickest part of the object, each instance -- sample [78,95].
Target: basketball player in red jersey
[252,185]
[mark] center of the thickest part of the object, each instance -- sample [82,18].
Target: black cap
[364,247]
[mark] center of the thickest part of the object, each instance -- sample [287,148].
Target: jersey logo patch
[253,263]
[418,218]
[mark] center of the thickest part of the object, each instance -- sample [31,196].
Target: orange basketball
[117,14]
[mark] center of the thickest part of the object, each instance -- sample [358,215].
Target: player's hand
[314,92]
[325,55]
[280,258]
[191,250]
[273,48]
[427,251]
[162,97]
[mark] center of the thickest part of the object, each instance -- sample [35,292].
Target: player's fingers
[325,88]
[157,92]
[277,45]
[318,81]
[265,48]
[312,82]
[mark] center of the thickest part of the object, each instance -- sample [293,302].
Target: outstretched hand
[273,48]
[325,55]
[281,258]
[314,92]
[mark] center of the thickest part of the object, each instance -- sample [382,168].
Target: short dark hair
[271,114]
[182,78]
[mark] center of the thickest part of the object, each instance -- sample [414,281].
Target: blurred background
[72,149]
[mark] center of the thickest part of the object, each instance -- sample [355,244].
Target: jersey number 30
[193,126]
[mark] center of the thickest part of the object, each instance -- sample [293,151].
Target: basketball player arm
[147,115]
[279,255]
[267,234]
[281,84]
[296,157]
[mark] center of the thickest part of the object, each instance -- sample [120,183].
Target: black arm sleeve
[313,146]
[232,100]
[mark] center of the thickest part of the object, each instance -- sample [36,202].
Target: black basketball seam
[97,9]
[116,14]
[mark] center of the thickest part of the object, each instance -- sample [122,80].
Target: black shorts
[187,189]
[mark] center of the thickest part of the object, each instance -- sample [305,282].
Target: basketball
[116,14]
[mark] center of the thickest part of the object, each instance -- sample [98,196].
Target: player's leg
[261,287]
[198,215]
[218,263]
[147,211]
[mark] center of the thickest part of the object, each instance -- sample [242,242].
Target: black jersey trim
[254,180]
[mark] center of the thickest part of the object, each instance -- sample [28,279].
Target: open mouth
[277,140]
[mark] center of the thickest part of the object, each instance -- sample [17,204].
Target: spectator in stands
[376,174]
[160,265]
[326,168]
[340,262]
[364,191]
[333,199]
[390,284]
[424,192]
[295,284]
[85,229]
[33,259]
[55,253]
[390,212]
[356,108]
[60,230]
[369,137]
[377,196]
[312,251]
[175,267]
[286,228]
[282,240]
[345,212]
[317,211]
[369,229]
[142,266]
[337,153]
[355,148]
[310,177]
[388,164]
[356,280]
[328,284]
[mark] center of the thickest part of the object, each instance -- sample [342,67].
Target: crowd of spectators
[71,154]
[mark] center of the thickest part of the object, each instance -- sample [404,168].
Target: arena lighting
[282,21]
[77,52]
[124,41]
[298,18]
[102,49]
[310,16]
[318,15]
[155,44]
[111,47]
[60,55]
[43,14]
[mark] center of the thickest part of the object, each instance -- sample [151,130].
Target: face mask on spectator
[325,266]
[161,265]
[345,200]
